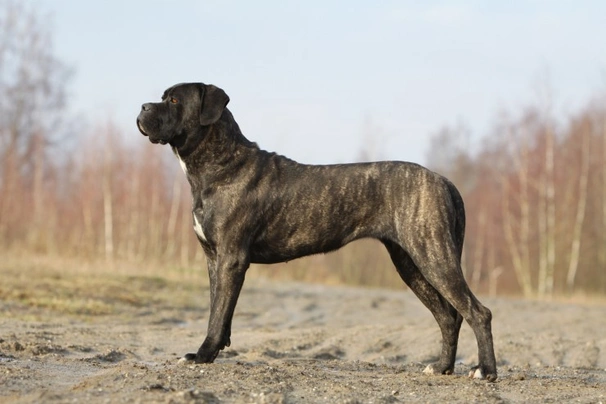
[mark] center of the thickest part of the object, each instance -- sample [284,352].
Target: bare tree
[521,269]
[582,195]
[32,84]
[546,284]
[479,249]
[517,232]
[173,215]
[108,216]
[547,191]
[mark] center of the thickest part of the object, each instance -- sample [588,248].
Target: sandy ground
[291,343]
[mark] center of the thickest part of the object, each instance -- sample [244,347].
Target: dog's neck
[209,150]
[181,162]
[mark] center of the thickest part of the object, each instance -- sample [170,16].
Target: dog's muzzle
[140,127]
[152,139]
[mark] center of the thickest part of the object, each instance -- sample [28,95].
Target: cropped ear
[213,103]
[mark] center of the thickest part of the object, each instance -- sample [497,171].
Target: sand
[292,343]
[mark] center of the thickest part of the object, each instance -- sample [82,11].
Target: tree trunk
[580,215]
[520,246]
[172,218]
[108,218]
[36,233]
[478,254]
[133,214]
[550,202]
[547,225]
[521,270]
[186,234]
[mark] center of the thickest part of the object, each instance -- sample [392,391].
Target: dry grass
[88,289]
[34,284]
[34,287]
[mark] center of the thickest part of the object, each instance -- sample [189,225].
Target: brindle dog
[253,206]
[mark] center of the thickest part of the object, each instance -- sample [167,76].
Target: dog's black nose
[146,107]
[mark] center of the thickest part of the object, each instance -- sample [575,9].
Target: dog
[254,206]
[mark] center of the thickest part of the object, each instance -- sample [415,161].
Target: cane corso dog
[253,206]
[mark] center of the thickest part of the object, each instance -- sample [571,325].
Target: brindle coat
[253,206]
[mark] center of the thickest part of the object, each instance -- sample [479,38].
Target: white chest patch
[198,229]
[181,162]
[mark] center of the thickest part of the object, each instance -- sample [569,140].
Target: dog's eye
[173,100]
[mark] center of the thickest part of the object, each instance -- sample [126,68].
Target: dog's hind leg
[447,317]
[439,263]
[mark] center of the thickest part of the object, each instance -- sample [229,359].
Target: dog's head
[183,110]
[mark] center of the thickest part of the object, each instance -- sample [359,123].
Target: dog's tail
[459,224]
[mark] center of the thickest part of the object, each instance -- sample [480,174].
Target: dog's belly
[306,235]
[271,253]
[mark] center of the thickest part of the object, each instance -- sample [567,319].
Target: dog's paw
[437,369]
[477,372]
[187,359]
[429,370]
[203,356]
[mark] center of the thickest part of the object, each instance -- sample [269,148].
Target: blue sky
[320,80]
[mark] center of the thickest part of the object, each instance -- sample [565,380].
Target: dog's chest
[181,162]
[197,213]
[198,228]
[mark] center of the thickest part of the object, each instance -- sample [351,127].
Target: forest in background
[535,194]
[534,188]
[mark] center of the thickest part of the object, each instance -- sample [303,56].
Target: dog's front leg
[226,280]
[212,275]
[212,278]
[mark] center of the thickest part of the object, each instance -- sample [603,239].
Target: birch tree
[582,195]
[32,84]
[517,232]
